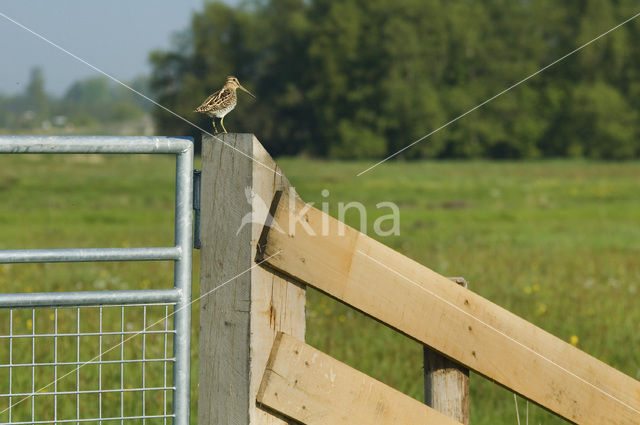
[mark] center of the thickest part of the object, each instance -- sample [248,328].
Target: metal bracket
[197,174]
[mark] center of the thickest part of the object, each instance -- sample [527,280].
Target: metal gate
[64,397]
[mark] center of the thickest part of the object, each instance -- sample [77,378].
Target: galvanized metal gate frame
[181,253]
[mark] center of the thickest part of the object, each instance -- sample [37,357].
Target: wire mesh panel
[87,364]
[101,356]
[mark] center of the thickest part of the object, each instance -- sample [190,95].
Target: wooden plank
[446,383]
[469,329]
[311,387]
[238,321]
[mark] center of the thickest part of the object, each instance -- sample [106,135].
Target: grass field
[557,242]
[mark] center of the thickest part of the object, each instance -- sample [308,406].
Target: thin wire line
[144,365]
[122,341]
[78,371]
[515,400]
[97,362]
[100,367]
[55,368]
[498,95]
[498,331]
[150,326]
[164,366]
[33,360]
[95,68]
[10,363]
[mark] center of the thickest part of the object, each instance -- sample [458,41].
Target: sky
[115,36]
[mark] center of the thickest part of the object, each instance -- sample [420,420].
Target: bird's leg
[215,130]
[222,124]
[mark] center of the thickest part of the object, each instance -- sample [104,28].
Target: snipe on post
[222,102]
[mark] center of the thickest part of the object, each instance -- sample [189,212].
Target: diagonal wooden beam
[311,387]
[352,267]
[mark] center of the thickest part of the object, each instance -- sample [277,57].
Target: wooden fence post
[239,320]
[446,383]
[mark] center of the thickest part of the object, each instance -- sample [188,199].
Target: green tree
[92,95]
[35,95]
[97,100]
[601,123]
[364,78]
[5,114]
[375,66]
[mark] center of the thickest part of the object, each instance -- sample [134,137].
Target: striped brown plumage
[222,102]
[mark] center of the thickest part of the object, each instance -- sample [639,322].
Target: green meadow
[556,242]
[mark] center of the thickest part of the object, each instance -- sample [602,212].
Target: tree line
[92,105]
[364,78]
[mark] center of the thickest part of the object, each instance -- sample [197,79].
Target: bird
[222,102]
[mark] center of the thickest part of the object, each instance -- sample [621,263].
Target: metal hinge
[197,174]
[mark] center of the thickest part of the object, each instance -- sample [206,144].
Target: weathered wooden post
[446,383]
[239,319]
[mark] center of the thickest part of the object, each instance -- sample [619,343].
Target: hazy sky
[115,36]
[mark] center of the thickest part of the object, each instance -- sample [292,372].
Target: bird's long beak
[246,91]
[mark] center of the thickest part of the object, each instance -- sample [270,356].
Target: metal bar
[197,179]
[10,361]
[94,144]
[121,364]
[57,393]
[74,299]
[100,368]
[33,360]
[182,279]
[84,334]
[120,418]
[55,368]
[164,366]
[144,355]
[89,254]
[78,361]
